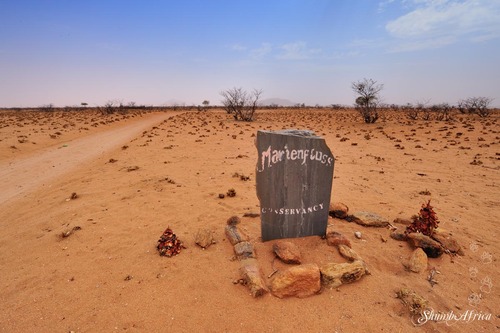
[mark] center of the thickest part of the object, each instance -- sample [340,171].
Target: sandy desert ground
[138,173]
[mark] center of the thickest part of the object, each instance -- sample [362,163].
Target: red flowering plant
[425,222]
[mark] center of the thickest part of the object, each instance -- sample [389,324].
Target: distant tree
[368,100]
[47,107]
[84,104]
[336,106]
[410,111]
[205,104]
[107,108]
[477,105]
[442,111]
[240,103]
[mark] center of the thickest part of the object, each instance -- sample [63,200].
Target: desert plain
[113,183]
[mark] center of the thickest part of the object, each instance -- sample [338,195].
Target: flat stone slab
[368,219]
[294,176]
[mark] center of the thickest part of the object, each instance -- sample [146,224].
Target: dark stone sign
[294,183]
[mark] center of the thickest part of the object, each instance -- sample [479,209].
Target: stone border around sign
[300,279]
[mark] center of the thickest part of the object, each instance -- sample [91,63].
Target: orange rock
[334,238]
[287,251]
[338,210]
[297,281]
[418,261]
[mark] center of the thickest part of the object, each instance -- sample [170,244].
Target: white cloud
[437,23]
[263,50]
[297,51]
[383,4]
[344,55]
[238,47]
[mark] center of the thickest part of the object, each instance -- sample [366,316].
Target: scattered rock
[399,236]
[234,235]
[338,210]
[431,276]
[418,261]
[131,168]
[334,274]
[69,232]
[233,220]
[128,278]
[244,250]
[204,238]
[231,192]
[73,196]
[348,253]
[222,195]
[252,277]
[368,219]
[334,238]
[431,247]
[287,251]
[402,221]
[357,234]
[415,303]
[297,281]
[251,215]
[447,242]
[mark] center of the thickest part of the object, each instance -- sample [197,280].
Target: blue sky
[165,52]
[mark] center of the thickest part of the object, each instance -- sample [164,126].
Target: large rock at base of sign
[287,251]
[368,219]
[298,281]
[334,275]
[418,261]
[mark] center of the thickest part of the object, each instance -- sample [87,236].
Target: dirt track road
[21,176]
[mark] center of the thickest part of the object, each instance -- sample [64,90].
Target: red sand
[108,276]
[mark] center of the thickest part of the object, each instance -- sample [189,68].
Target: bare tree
[47,107]
[241,104]
[479,105]
[410,110]
[107,108]
[368,100]
[442,111]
